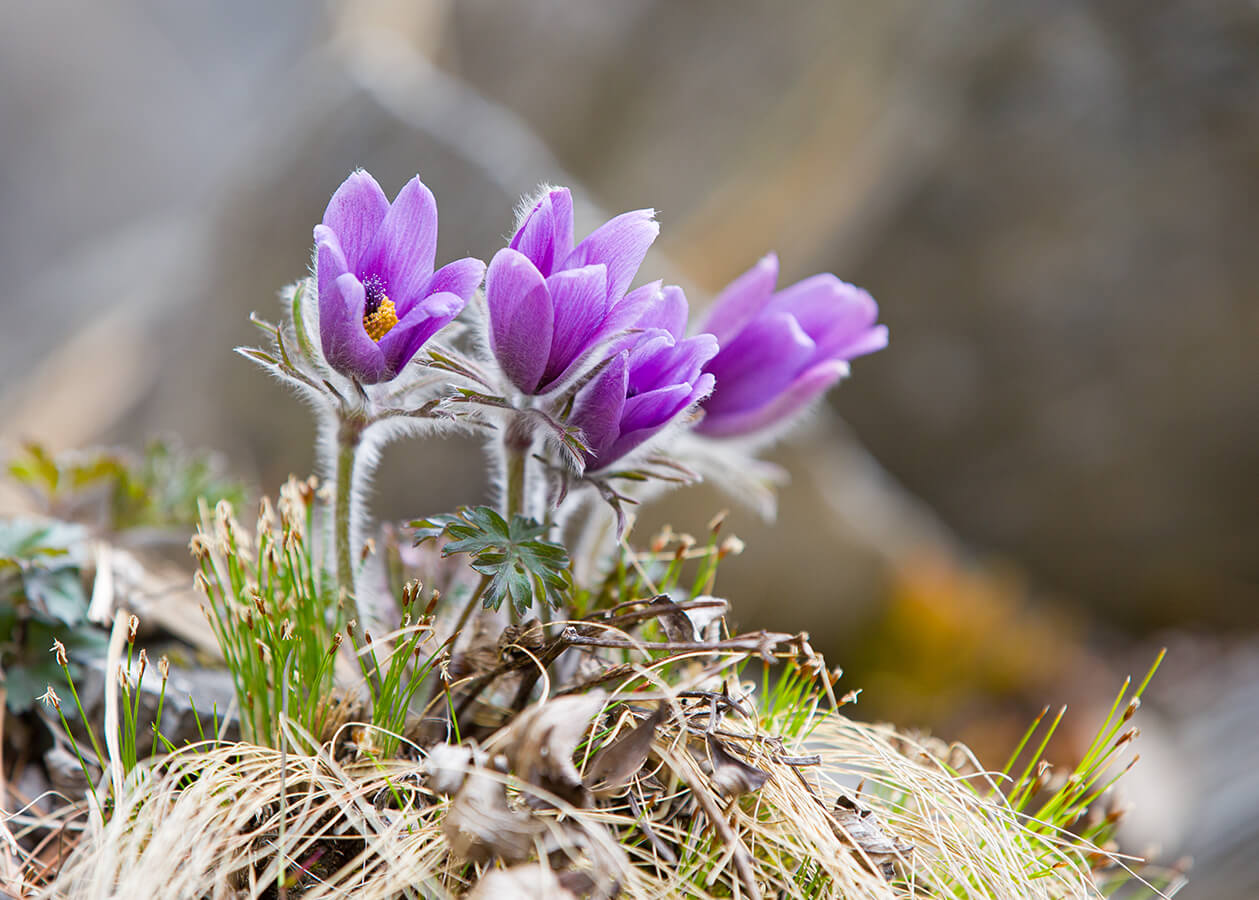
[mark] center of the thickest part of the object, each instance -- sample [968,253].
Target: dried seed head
[369,547]
[350,626]
[144,661]
[367,637]
[50,697]
[731,545]
[1133,705]
[223,511]
[661,540]
[1129,735]
[163,666]
[199,546]
[60,649]
[133,625]
[286,630]
[411,592]
[715,523]
[1117,813]
[336,643]
[274,556]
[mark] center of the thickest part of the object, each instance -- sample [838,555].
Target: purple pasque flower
[379,298]
[781,350]
[653,376]
[551,303]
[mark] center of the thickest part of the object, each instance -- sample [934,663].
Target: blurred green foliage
[158,488]
[41,597]
[45,564]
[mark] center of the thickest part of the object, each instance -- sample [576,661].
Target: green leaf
[522,565]
[56,595]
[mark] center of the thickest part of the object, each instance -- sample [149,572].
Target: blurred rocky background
[1052,470]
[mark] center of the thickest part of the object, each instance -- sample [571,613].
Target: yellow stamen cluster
[381,322]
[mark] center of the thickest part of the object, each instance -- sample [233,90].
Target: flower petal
[672,312]
[658,359]
[805,388]
[597,409]
[742,300]
[346,344]
[405,246]
[461,277]
[354,215]
[621,244]
[832,312]
[654,408]
[865,342]
[546,235]
[765,358]
[631,437]
[522,320]
[330,261]
[579,298]
[423,321]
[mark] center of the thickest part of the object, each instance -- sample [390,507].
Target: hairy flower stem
[349,434]
[517,439]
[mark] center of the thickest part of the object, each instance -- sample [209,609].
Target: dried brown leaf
[531,882]
[732,776]
[480,825]
[862,827]
[674,622]
[618,762]
[447,766]
[542,741]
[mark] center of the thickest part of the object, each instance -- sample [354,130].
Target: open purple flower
[379,298]
[781,350]
[653,377]
[551,303]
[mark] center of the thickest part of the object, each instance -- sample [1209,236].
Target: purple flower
[653,377]
[780,350]
[551,303]
[379,298]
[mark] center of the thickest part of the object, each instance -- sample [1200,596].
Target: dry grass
[235,820]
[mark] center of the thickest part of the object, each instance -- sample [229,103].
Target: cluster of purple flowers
[562,316]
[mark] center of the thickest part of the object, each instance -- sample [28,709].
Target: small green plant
[278,618]
[396,669]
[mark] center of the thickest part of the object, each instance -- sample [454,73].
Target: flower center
[379,314]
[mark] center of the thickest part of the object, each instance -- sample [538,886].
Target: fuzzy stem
[349,433]
[517,439]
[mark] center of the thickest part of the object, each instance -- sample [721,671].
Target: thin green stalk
[472,604]
[87,724]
